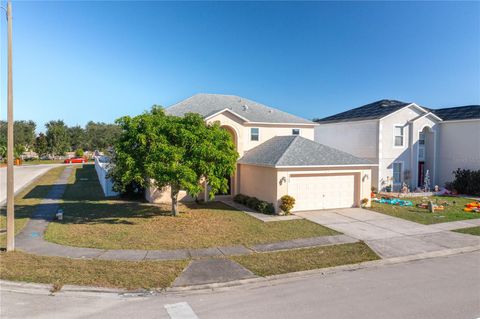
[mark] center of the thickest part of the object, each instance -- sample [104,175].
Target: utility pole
[10,191]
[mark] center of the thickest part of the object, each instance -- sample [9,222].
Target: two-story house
[406,140]
[278,156]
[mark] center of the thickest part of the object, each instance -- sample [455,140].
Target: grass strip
[471,230]
[58,271]
[274,263]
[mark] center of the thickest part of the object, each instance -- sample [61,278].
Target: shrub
[270,210]
[266,208]
[240,198]
[255,203]
[466,181]
[79,153]
[287,202]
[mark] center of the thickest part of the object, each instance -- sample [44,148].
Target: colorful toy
[473,207]
[395,201]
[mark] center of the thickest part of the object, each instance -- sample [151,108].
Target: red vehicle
[75,160]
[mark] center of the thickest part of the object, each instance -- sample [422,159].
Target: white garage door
[322,192]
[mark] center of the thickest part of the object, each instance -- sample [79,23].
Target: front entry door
[421,173]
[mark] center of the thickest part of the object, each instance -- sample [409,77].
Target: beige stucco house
[406,140]
[278,156]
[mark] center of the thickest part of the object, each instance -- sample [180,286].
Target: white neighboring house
[278,156]
[406,140]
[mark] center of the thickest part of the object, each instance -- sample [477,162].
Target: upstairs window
[296,131]
[398,135]
[254,134]
[397,173]
[421,138]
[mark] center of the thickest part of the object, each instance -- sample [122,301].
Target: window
[254,134]
[397,173]
[398,135]
[296,131]
[421,138]
[421,153]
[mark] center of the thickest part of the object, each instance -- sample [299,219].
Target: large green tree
[76,136]
[57,137]
[158,150]
[41,145]
[23,133]
[100,136]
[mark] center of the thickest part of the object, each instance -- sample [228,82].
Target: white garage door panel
[322,192]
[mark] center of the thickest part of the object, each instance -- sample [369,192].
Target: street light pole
[10,190]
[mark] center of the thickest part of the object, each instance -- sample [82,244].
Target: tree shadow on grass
[83,202]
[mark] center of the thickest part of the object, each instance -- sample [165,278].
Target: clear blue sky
[81,61]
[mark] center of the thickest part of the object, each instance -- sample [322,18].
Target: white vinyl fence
[101,166]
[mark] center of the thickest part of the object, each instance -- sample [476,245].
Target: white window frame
[295,129]
[420,134]
[401,173]
[257,134]
[403,135]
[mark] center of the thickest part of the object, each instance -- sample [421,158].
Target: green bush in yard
[466,182]
[79,152]
[255,203]
[240,198]
[270,209]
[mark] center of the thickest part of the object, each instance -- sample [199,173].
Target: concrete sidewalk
[394,237]
[31,239]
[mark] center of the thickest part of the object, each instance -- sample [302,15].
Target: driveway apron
[390,236]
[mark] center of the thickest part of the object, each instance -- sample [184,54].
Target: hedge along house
[277,156]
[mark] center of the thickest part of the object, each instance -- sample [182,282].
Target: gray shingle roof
[298,151]
[209,104]
[459,113]
[370,111]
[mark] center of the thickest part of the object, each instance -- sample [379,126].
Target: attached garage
[317,176]
[323,191]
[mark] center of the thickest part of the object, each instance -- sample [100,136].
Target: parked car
[75,160]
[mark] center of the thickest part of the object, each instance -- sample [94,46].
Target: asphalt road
[444,287]
[23,175]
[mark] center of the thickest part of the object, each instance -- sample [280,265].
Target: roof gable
[292,150]
[209,104]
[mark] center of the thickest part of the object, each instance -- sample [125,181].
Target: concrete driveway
[389,236]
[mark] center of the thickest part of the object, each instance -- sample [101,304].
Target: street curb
[46,289]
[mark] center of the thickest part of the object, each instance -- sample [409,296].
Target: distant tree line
[58,137]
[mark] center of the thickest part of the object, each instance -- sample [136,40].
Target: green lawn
[18,266]
[452,212]
[93,221]
[267,264]
[27,200]
[471,230]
